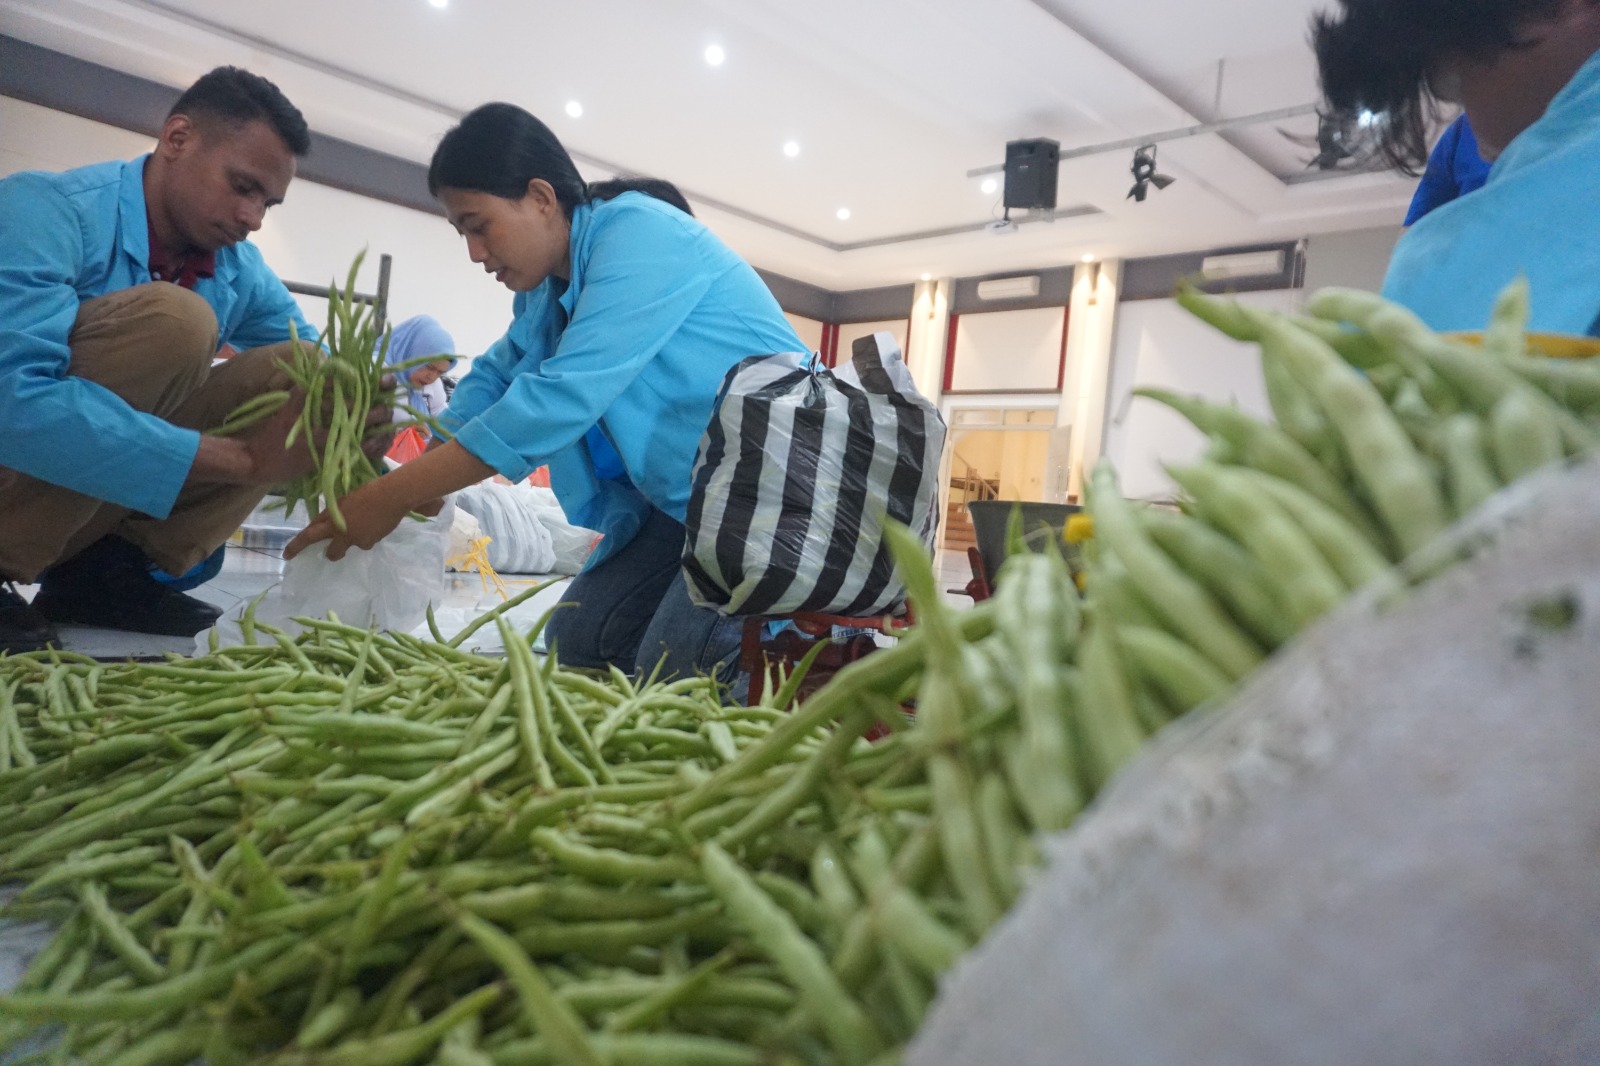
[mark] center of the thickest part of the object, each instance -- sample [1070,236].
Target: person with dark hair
[118,283]
[1527,75]
[628,315]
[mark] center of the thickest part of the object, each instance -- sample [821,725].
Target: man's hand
[272,461]
[261,456]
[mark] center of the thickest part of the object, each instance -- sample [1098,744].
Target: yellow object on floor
[477,558]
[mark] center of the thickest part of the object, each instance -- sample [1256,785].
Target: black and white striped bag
[796,475]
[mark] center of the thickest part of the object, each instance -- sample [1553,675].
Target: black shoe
[109,586]
[22,627]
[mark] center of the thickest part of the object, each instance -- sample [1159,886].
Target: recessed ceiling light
[441,4]
[715,55]
[791,148]
[927,277]
[1088,257]
[844,214]
[990,186]
[574,109]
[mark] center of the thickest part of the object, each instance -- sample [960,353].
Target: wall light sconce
[1094,283]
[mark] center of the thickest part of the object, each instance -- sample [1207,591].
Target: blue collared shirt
[637,342]
[1536,216]
[68,238]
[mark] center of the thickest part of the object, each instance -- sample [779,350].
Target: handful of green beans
[348,847]
[341,388]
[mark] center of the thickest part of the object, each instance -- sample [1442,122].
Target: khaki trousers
[152,345]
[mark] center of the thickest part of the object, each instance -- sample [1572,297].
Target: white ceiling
[892,102]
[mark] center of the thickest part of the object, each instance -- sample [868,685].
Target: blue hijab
[416,337]
[413,339]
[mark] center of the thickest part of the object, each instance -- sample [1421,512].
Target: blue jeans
[633,611]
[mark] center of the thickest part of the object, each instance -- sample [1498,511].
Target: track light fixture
[1336,140]
[1145,174]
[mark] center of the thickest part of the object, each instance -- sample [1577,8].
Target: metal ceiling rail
[1197,130]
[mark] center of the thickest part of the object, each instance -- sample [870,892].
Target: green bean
[1522,440]
[1397,479]
[1230,573]
[1186,679]
[1109,735]
[848,1030]
[1353,557]
[1308,585]
[556,1021]
[1180,601]
[636,1049]
[1269,449]
[1468,473]
[1039,614]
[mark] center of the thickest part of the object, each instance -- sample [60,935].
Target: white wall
[810,330]
[1358,259]
[1008,350]
[311,237]
[1160,344]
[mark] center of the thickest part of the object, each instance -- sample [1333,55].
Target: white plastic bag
[387,588]
[528,531]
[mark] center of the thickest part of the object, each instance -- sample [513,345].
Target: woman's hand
[370,513]
[374,510]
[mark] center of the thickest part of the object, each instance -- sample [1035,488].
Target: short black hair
[1376,55]
[237,96]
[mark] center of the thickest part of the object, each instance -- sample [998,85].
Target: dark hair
[1376,55]
[657,187]
[498,148]
[238,96]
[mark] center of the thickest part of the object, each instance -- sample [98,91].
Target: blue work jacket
[69,237]
[1536,216]
[637,341]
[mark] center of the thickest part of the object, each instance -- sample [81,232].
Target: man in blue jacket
[118,284]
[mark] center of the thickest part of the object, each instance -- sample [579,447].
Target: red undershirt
[186,271]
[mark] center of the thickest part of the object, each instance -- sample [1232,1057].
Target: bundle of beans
[347,848]
[1384,434]
[340,388]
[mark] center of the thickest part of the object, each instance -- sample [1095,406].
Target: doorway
[1002,453]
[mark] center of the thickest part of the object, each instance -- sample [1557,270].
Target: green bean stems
[348,847]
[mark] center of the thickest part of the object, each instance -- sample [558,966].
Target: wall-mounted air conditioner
[1242,265]
[1009,288]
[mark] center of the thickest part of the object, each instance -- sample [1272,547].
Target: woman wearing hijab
[413,339]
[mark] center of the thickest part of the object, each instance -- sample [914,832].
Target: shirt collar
[141,244]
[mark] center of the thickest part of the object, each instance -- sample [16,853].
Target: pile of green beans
[349,847]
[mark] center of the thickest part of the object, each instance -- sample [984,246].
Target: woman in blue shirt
[628,314]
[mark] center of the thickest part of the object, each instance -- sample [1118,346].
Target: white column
[1090,332]
[925,340]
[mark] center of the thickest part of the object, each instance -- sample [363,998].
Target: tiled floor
[249,571]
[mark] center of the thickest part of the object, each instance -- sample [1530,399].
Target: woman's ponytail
[656,187]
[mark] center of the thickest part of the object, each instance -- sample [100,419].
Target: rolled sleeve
[62,429]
